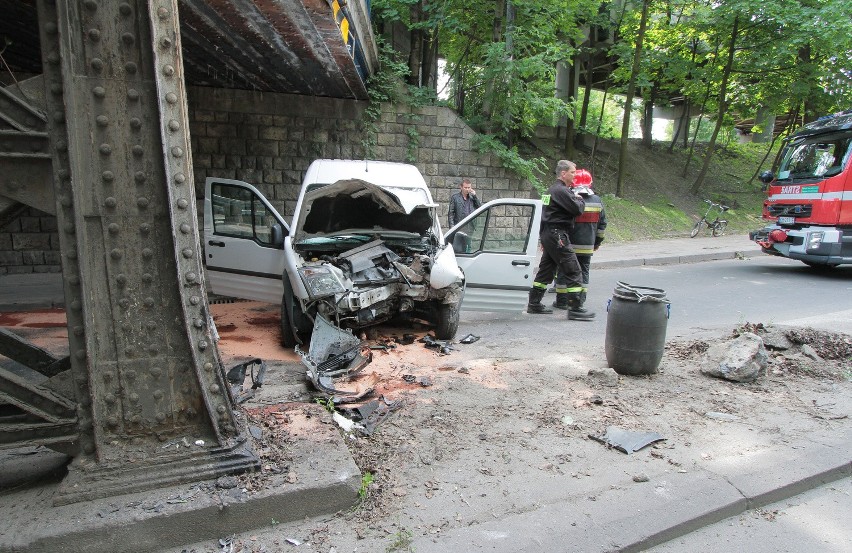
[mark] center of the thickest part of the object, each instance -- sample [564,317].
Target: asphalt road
[707,296]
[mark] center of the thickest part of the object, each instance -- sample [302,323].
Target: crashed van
[364,246]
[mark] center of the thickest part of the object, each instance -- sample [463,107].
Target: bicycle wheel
[696,229]
[719,228]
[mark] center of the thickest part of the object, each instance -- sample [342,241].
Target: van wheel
[446,321]
[292,316]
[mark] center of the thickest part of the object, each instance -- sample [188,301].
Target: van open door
[497,248]
[243,237]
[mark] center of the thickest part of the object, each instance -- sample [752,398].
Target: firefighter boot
[534,305]
[576,311]
[561,300]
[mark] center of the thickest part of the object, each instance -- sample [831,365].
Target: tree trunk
[490,86]
[598,130]
[648,116]
[415,53]
[628,104]
[587,94]
[720,116]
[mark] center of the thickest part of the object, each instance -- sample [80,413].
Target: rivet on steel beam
[149,302]
[69,228]
[171,98]
[56,89]
[111,202]
[185,228]
[99,92]
[112,422]
[113,228]
[221,409]
[208,366]
[53,58]
[147,278]
[97,64]
[147,253]
[74,280]
[139,177]
[66,201]
[108,176]
[177,151]
[138,150]
[136,419]
[128,38]
[165,43]
[105,149]
[116,254]
[160,417]
[197,323]
[188,253]
[127,327]
[133,94]
[163,13]
[102,120]
[191,277]
[72,254]
[124,303]
[168,71]
[121,279]
[61,146]
[50,28]
[59,117]
[131,375]
[186,390]
[79,331]
[182,203]
[128,351]
[174,125]
[190,412]
[142,203]
[130,67]
[76,305]
[63,174]
[202,345]
[180,178]
[156,372]
[80,354]
[214,388]
[134,397]
[89,448]
[135,123]
[145,228]
[194,300]
[91,5]
[158,394]
[125,9]
[109,398]
[94,35]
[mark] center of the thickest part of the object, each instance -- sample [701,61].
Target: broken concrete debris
[237,376]
[742,359]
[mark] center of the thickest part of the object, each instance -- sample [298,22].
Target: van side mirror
[461,242]
[277,236]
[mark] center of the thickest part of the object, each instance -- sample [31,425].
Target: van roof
[382,173]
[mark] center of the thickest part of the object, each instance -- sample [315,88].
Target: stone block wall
[269,140]
[30,244]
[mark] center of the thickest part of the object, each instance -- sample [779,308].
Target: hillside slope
[657,202]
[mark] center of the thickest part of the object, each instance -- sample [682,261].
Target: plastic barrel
[636,329]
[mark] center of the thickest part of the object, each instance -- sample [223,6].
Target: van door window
[501,228]
[239,213]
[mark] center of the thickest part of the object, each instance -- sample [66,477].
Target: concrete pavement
[623,517]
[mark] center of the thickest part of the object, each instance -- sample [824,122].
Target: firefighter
[588,231]
[561,206]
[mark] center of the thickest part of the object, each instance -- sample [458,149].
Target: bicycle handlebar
[722,207]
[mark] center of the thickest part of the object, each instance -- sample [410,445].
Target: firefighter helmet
[582,178]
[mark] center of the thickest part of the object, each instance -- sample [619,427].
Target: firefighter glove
[598,240]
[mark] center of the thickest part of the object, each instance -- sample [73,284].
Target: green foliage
[401,541]
[529,169]
[366,480]
[327,403]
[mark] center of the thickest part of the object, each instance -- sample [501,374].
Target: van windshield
[815,157]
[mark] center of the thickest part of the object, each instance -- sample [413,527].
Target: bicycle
[717,225]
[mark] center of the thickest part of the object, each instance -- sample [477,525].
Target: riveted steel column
[153,406]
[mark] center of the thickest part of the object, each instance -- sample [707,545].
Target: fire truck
[809,195]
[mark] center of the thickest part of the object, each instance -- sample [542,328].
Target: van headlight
[815,239]
[320,281]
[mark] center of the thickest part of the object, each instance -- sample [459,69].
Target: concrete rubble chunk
[742,359]
[776,339]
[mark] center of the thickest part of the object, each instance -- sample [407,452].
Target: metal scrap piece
[627,440]
[335,352]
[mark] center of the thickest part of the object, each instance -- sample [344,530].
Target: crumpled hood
[354,204]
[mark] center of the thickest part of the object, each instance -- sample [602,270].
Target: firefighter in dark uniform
[561,207]
[588,231]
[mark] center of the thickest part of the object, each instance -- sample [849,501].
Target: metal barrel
[637,317]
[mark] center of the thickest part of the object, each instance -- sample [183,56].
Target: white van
[365,245]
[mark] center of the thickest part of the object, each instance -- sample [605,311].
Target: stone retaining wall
[269,140]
